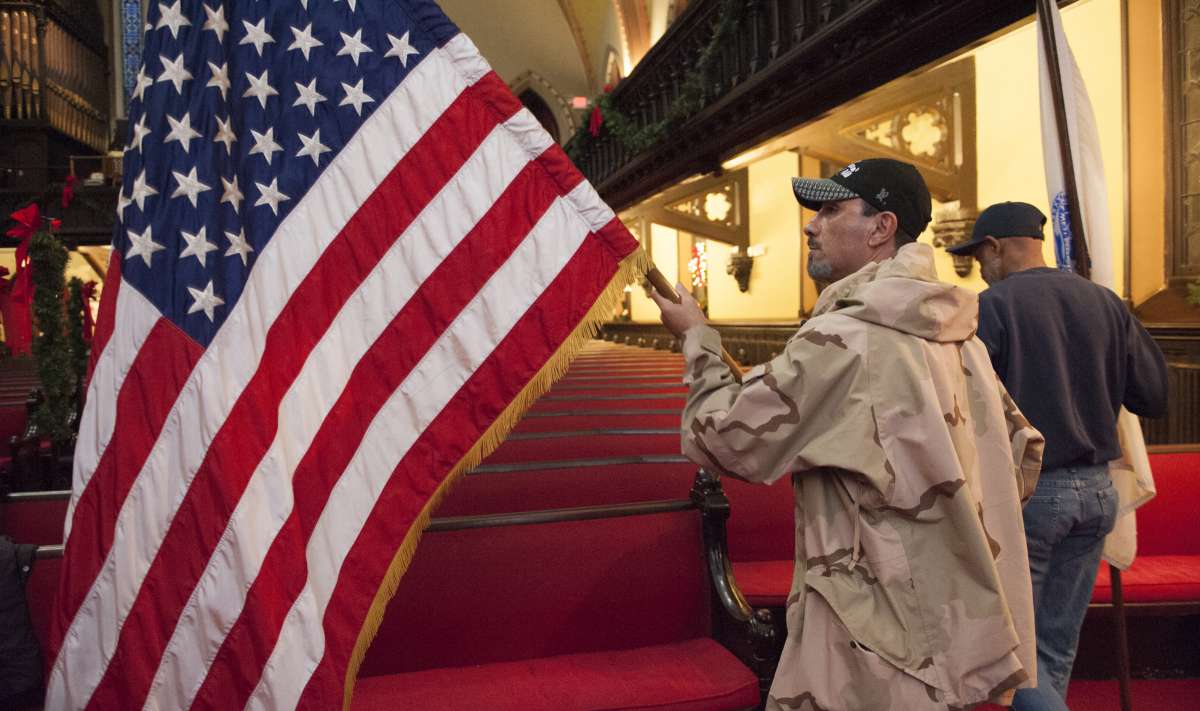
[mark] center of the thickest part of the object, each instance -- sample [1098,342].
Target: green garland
[51,351]
[1193,296]
[692,92]
[79,347]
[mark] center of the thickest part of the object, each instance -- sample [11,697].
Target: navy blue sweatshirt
[1070,354]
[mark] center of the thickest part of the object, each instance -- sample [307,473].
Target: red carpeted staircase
[614,610]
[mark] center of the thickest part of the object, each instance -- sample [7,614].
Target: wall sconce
[741,263]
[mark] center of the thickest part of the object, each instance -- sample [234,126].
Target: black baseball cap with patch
[885,184]
[1004,219]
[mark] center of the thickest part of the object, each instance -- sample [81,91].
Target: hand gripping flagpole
[665,290]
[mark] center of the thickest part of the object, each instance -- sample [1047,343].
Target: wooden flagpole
[1083,266]
[665,290]
[1083,260]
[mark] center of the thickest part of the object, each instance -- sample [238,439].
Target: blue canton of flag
[237,108]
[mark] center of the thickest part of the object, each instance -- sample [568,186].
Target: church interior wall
[774,228]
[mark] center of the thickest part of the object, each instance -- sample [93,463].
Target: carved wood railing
[53,69]
[788,62]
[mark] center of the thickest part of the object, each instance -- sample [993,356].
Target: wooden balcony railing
[53,69]
[788,62]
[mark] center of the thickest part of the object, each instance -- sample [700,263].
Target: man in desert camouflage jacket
[909,463]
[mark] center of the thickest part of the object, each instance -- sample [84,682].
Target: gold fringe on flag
[629,269]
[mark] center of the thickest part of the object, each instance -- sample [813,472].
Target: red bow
[86,294]
[596,121]
[68,193]
[27,218]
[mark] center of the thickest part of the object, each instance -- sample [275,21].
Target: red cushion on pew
[760,520]
[38,521]
[1153,578]
[696,675]
[765,583]
[1167,524]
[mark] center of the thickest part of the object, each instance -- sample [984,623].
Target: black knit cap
[1004,219]
[885,184]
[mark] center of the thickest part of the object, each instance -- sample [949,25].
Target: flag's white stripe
[440,374]
[232,358]
[135,317]
[218,599]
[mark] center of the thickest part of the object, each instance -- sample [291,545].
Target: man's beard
[820,271]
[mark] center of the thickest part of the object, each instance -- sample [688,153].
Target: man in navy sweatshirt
[1070,354]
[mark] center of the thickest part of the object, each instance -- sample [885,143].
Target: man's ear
[885,229]
[988,239]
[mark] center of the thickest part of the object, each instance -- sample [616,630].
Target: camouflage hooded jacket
[911,587]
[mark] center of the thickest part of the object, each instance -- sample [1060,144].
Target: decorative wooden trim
[664,209]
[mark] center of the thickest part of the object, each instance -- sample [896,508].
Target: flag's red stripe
[107,313]
[250,427]
[154,380]
[483,397]
[382,369]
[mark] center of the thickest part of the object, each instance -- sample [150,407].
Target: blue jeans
[1066,520]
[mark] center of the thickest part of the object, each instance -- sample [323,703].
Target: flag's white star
[143,81]
[238,245]
[353,46]
[351,3]
[189,185]
[122,203]
[205,300]
[231,193]
[142,245]
[171,17]
[309,96]
[141,191]
[174,72]
[139,132]
[216,21]
[259,88]
[304,41]
[401,49]
[355,96]
[312,146]
[264,144]
[257,35]
[181,130]
[270,195]
[225,134]
[198,246]
[220,78]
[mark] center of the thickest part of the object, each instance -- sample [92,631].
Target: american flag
[346,260]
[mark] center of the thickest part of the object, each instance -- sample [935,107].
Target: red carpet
[1148,695]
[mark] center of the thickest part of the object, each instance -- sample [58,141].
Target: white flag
[1131,473]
